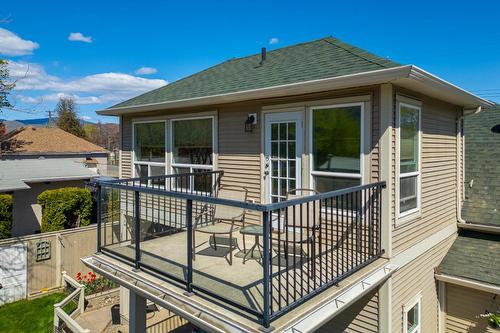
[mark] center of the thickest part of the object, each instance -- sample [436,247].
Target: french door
[283,154]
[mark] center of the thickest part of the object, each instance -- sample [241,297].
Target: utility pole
[49,123]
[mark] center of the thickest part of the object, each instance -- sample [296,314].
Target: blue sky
[95,50]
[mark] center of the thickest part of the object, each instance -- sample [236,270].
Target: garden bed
[102,299]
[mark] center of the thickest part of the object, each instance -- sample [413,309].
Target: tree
[5,85]
[67,118]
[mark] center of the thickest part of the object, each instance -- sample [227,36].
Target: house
[35,159]
[334,178]
[469,275]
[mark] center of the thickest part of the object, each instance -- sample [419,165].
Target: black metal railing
[308,243]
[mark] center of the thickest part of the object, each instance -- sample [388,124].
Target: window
[409,159]
[337,136]
[149,150]
[192,151]
[411,317]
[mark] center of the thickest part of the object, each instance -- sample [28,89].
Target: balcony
[257,260]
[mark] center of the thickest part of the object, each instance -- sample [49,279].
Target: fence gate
[13,268]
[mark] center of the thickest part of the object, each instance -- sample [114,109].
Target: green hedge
[6,203]
[62,207]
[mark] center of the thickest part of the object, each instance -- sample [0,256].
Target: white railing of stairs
[64,321]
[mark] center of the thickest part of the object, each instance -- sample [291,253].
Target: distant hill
[13,124]
[35,122]
[105,134]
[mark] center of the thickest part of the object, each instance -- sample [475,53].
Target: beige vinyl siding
[127,147]
[463,306]
[438,175]
[375,132]
[418,277]
[361,316]
[239,152]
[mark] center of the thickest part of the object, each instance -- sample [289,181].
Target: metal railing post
[266,239]
[137,231]
[189,225]
[99,217]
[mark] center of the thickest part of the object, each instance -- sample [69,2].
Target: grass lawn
[31,316]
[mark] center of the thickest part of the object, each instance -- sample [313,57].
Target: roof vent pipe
[263,54]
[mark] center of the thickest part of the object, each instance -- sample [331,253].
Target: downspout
[461,154]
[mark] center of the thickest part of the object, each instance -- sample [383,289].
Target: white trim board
[490,288]
[342,301]
[405,257]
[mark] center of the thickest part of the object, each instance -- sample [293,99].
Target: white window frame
[189,165]
[149,164]
[407,307]
[314,173]
[405,216]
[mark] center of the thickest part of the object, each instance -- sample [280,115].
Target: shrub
[61,208]
[6,204]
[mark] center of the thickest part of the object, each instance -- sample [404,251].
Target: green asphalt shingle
[319,59]
[482,167]
[474,255]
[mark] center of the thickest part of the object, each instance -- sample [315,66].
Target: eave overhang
[409,76]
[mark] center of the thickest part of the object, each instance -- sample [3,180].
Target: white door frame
[282,116]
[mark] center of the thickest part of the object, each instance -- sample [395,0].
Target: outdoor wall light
[250,122]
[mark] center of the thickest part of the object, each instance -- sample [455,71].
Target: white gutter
[192,312]
[325,312]
[489,229]
[490,288]
[400,75]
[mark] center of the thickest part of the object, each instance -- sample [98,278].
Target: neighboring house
[469,275]
[324,116]
[35,159]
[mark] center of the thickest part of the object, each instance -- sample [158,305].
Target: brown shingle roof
[33,140]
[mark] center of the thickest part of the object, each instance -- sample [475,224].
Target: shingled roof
[323,58]
[482,168]
[474,255]
[46,140]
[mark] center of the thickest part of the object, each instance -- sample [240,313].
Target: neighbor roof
[49,140]
[474,255]
[320,65]
[482,168]
[322,58]
[15,174]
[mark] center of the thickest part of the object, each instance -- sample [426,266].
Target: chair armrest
[204,211]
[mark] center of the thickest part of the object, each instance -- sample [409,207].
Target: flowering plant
[493,319]
[94,284]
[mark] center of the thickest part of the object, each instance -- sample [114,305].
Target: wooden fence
[58,251]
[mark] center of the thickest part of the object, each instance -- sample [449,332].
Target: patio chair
[297,235]
[220,220]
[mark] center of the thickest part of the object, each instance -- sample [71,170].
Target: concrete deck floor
[240,283]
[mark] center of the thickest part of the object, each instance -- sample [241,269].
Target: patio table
[253,230]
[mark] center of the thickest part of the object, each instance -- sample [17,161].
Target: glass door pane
[283,159]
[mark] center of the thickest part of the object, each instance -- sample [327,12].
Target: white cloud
[79,37]
[13,45]
[91,89]
[86,118]
[146,71]
[274,40]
